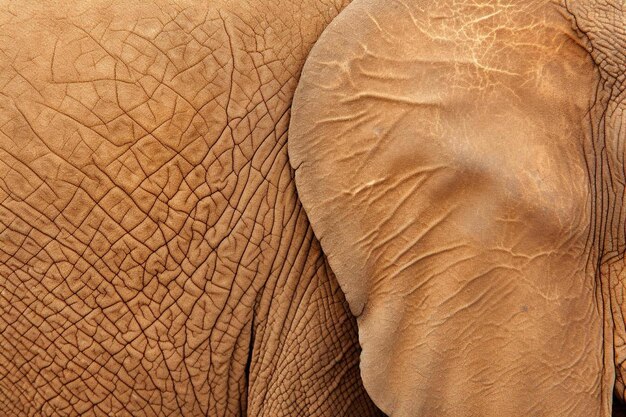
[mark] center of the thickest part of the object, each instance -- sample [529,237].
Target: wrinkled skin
[154,257]
[462,164]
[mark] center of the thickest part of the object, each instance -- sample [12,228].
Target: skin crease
[154,257]
[462,164]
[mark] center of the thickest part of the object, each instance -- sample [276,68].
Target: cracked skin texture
[462,164]
[154,257]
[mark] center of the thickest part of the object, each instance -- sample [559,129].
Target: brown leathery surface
[154,257]
[462,163]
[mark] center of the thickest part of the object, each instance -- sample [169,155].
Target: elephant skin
[462,164]
[154,257]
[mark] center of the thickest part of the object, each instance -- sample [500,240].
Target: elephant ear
[445,160]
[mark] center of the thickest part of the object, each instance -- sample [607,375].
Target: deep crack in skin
[154,257]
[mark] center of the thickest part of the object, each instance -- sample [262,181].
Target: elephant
[312,208]
[462,164]
[154,257]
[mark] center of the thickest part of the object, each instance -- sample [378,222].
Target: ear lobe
[441,157]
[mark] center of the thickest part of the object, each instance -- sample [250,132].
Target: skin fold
[462,164]
[154,257]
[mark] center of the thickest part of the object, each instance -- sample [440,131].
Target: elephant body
[188,189]
[154,257]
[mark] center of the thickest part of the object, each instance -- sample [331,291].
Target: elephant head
[462,164]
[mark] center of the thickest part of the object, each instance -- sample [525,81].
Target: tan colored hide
[154,257]
[455,161]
